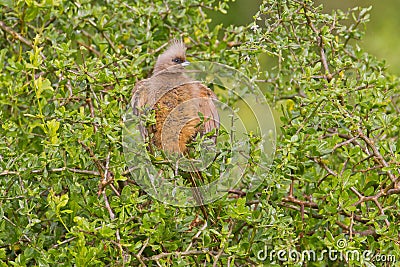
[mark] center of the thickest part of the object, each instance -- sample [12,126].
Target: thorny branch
[189,252]
[300,207]
[321,45]
[98,164]
[54,170]
[221,251]
[107,178]
[368,146]
[18,36]
[377,155]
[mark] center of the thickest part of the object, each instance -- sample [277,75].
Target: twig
[196,236]
[179,254]
[310,116]
[129,170]
[334,131]
[88,90]
[354,190]
[351,226]
[324,61]
[368,232]
[340,224]
[73,170]
[377,155]
[292,97]
[109,41]
[216,258]
[18,36]
[374,199]
[91,49]
[99,166]
[107,165]
[344,166]
[15,35]
[139,254]
[102,185]
[348,141]
[8,220]
[237,192]
[323,165]
[64,242]
[300,202]
[108,207]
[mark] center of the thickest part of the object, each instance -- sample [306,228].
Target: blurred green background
[382,32]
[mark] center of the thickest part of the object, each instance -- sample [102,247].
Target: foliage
[68,69]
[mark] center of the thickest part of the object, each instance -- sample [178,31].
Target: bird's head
[175,55]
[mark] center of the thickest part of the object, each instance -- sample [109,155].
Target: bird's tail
[195,179]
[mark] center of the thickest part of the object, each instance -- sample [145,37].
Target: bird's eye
[177,60]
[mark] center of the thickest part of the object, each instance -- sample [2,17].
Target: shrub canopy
[67,73]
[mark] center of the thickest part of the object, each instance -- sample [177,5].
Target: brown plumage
[177,101]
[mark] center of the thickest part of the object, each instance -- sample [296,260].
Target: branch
[340,224]
[38,171]
[361,233]
[323,165]
[63,242]
[377,155]
[18,36]
[328,75]
[220,252]
[91,49]
[362,198]
[348,141]
[178,254]
[300,202]
[196,236]
[108,207]
[15,35]
[96,161]
[139,255]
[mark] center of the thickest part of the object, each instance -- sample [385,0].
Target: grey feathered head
[174,55]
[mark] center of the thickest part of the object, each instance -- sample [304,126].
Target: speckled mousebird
[177,101]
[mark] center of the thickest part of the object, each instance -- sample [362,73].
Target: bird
[183,107]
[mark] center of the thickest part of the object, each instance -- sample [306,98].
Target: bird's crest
[176,46]
[176,49]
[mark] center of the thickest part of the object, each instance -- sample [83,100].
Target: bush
[68,70]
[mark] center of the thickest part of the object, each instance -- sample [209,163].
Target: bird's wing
[139,100]
[138,96]
[209,109]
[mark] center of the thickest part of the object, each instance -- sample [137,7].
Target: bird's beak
[186,63]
